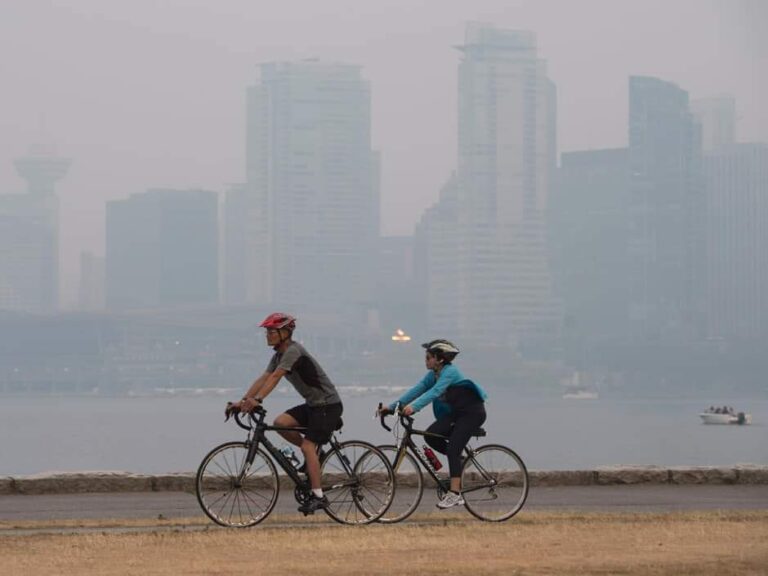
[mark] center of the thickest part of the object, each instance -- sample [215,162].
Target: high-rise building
[736,180]
[589,236]
[667,243]
[162,250]
[717,118]
[312,193]
[499,275]
[29,236]
[91,293]
[235,240]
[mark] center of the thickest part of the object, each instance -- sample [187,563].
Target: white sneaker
[450,499]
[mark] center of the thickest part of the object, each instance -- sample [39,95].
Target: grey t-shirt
[306,375]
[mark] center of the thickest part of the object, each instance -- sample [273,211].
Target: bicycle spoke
[494,483]
[409,485]
[359,482]
[227,498]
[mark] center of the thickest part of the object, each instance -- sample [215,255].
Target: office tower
[436,246]
[162,249]
[736,180]
[717,118]
[29,236]
[396,294]
[235,257]
[312,188]
[667,208]
[91,293]
[589,235]
[499,266]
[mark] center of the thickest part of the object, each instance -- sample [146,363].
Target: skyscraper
[736,181]
[29,236]
[162,249]
[589,232]
[506,159]
[91,293]
[235,257]
[312,194]
[717,118]
[667,243]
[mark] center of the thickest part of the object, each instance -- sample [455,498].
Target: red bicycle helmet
[279,320]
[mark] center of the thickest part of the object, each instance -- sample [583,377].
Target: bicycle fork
[252,444]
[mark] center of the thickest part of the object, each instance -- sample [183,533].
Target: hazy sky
[147,93]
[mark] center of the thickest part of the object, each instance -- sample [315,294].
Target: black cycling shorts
[320,421]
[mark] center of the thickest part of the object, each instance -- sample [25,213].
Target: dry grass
[712,543]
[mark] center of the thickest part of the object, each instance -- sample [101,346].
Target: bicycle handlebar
[407,421]
[238,415]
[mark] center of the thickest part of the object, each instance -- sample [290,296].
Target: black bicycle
[237,483]
[494,479]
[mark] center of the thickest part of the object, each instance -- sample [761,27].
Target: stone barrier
[81,482]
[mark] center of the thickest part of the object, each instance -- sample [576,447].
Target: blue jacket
[432,389]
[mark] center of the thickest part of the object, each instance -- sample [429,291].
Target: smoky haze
[152,94]
[590,211]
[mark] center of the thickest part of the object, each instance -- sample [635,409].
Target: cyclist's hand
[408,410]
[232,408]
[384,411]
[249,404]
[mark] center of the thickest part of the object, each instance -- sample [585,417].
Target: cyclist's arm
[256,386]
[269,383]
[420,388]
[446,378]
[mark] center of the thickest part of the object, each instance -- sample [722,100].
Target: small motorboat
[710,417]
[580,394]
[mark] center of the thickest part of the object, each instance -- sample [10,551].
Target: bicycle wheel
[228,500]
[494,483]
[358,482]
[409,485]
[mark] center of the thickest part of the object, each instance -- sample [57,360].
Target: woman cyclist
[458,404]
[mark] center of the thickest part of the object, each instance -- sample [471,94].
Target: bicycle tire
[231,503]
[363,497]
[494,483]
[409,485]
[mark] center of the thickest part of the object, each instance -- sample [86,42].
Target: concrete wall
[80,482]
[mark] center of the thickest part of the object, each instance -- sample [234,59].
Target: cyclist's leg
[321,422]
[440,426]
[291,418]
[466,421]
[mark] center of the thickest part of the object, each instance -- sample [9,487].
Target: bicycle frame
[257,436]
[238,482]
[494,479]
[406,443]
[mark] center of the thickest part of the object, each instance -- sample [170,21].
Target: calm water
[155,435]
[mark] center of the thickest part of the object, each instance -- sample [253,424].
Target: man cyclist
[320,414]
[458,404]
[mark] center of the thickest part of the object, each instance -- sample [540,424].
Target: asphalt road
[635,498]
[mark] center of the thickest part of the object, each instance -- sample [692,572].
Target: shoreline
[120,481]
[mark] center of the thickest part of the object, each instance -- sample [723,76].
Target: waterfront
[171,433]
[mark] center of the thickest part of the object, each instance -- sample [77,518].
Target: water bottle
[290,455]
[436,464]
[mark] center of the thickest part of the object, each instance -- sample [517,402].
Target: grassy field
[711,543]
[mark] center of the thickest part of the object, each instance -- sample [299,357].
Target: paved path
[640,498]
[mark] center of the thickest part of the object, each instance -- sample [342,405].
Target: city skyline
[190,132]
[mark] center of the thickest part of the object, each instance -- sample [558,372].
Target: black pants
[458,426]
